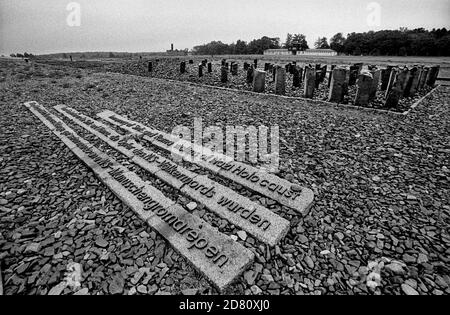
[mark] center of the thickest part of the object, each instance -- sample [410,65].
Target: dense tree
[240,48]
[401,42]
[321,43]
[212,48]
[299,42]
[443,45]
[337,42]
[288,42]
[256,46]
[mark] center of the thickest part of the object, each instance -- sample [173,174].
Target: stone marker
[150,66]
[347,79]
[364,83]
[385,76]
[376,74]
[250,74]
[317,80]
[209,67]
[310,82]
[212,253]
[200,71]
[432,76]
[423,77]
[359,66]
[260,222]
[384,79]
[292,68]
[353,75]
[419,76]
[411,82]
[280,81]
[287,67]
[337,88]
[391,81]
[331,75]
[224,74]
[259,81]
[240,211]
[323,73]
[415,82]
[183,67]
[264,224]
[234,69]
[215,255]
[248,176]
[297,77]
[402,77]
[394,94]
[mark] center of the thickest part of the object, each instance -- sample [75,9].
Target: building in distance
[307,52]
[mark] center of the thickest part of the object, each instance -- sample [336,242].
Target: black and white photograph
[225,153]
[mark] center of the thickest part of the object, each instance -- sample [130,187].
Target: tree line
[256,46]
[20,55]
[401,42]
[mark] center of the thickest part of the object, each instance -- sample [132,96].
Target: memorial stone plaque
[212,253]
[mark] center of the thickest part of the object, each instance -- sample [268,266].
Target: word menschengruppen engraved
[259,221]
[214,254]
[248,176]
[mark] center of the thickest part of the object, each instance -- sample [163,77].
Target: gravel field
[169,68]
[379,225]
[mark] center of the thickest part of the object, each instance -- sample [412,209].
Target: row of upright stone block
[395,82]
[406,82]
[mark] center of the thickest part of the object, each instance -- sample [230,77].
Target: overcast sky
[40,26]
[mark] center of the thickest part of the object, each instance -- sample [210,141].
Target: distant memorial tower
[176,52]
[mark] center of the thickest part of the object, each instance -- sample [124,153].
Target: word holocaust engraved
[241,211]
[254,179]
[214,254]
